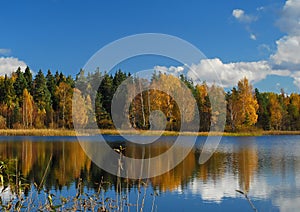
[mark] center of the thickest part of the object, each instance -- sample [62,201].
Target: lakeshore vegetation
[45,102]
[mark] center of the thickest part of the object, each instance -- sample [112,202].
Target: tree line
[45,101]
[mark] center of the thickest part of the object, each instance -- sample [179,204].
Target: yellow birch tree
[275,112]
[245,105]
[27,109]
[80,113]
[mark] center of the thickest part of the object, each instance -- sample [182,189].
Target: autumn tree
[80,110]
[2,122]
[232,109]
[140,106]
[46,101]
[81,82]
[161,99]
[218,107]
[27,109]
[243,105]
[284,102]
[275,112]
[64,94]
[203,106]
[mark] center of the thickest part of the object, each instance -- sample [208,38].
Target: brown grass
[37,132]
[68,132]
[277,132]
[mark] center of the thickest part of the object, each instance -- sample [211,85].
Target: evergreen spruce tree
[19,85]
[28,77]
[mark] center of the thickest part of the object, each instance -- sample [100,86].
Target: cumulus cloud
[286,56]
[241,16]
[227,74]
[288,47]
[172,69]
[284,62]
[231,73]
[288,50]
[296,77]
[289,21]
[10,64]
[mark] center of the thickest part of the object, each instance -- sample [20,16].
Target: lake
[266,168]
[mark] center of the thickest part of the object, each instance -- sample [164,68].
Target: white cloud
[288,47]
[237,13]
[172,69]
[241,16]
[10,64]
[252,36]
[296,77]
[289,21]
[229,74]
[288,50]
[244,18]
[284,62]
[5,51]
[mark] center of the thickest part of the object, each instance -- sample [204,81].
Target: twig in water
[246,196]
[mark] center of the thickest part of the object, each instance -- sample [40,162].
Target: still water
[266,168]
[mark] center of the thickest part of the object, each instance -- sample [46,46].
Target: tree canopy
[40,101]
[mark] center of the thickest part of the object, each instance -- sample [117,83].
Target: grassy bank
[37,132]
[274,132]
[66,132]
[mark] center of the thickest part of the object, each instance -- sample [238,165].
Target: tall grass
[38,198]
[37,132]
[70,132]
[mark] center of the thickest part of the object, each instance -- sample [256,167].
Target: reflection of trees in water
[246,161]
[242,163]
[69,163]
[214,168]
[67,160]
[179,176]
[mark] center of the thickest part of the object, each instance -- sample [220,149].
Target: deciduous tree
[243,105]
[27,109]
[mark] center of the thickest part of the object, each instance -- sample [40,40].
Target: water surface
[267,168]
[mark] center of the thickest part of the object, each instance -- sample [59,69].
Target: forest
[45,101]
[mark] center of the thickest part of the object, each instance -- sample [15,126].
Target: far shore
[69,132]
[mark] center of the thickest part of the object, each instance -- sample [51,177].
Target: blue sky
[62,35]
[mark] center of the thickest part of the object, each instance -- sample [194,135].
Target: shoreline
[68,132]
